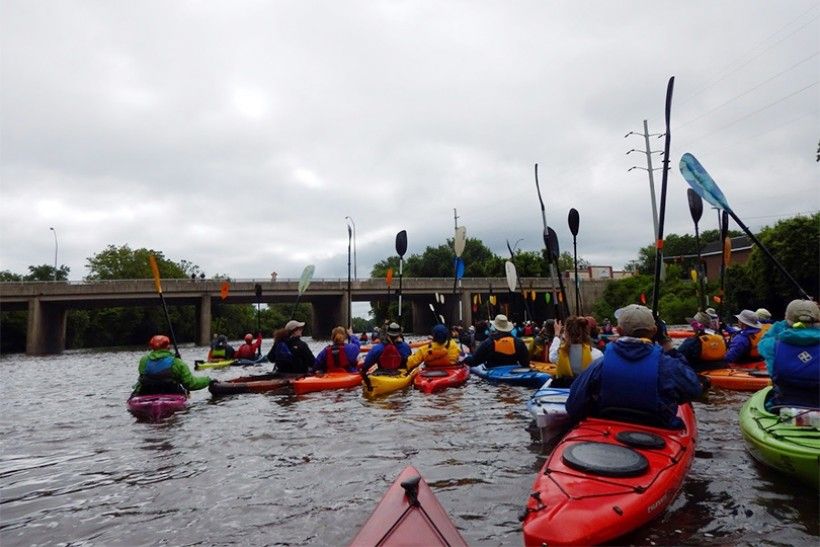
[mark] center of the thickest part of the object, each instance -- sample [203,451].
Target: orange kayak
[738,379]
[331,380]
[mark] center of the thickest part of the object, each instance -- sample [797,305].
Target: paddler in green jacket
[161,372]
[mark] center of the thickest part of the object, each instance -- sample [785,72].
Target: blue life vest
[159,367]
[630,384]
[796,374]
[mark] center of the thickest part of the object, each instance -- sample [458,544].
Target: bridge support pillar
[422,317]
[204,313]
[328,312]
[45,333]
[466,309]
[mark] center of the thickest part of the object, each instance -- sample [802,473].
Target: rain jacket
[488,354]
[792,358]
[435,354]
[248,351]
[676,383]
[178,371]
[351,351]
[372,357]
[291,355]
[743,346]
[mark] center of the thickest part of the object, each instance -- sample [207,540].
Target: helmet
[248,337]
[160,341]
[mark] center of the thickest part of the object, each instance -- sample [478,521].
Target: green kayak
[788,448]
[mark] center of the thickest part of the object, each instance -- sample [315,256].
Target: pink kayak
[155,408]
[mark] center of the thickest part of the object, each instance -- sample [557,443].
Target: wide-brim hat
[293,324]
[749,318]
[701,317]
[502,324]
[393,329]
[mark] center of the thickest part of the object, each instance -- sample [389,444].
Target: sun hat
[293,324]
[763,314]
[440,334]
[712,313]
[633,318]
[802,311]
[502,324]
[700,317]
[393,329]
[748,317]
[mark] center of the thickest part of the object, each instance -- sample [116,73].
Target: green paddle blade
[307,276]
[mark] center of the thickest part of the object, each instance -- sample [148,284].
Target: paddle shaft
[701,283]
[349,288]
[152,262]
[662,214]
[724,233]
[556,309]
[525,307]
[577,285]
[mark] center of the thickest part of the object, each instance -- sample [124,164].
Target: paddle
[525,306]
[459,241]
[490,303]
[556,309]
[152,261]
[573,219]
[707,188]
[551,241]
[696,210]
[661,216]
[349,290]
[258,290]
[388,279]
[401,248]
[725,256]
[304,281]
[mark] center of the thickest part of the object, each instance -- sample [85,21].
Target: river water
[277,469]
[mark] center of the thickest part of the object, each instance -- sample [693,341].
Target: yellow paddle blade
[152,261]
[727,251]
[693,274]
[389,276]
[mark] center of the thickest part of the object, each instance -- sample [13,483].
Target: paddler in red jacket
[251,347]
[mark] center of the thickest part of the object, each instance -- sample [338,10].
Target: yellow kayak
[379,383]
[214,364]
[541,366]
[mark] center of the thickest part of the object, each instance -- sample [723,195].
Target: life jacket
[336,358]
[159,368]
[437,357]
[504,345]
[565,368]
[218,354]
[630,384]
[528,330]
[755,339]
[245,351]
[390,358]
[712,347]
[796,374]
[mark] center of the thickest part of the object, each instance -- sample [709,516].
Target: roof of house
[739,243]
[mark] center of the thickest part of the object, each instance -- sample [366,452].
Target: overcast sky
[239,135]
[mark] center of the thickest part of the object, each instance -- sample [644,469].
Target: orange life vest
[712,347]
[756,339]
[504,345]
[438,357]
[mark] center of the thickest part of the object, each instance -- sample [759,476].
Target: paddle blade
[695,205]
[553,246]
[459,268]
[307,276]
[460,240]
[727,251]
[693,274]
[152,261]
[401,242]
[701,182]
[223,290]
[573,220]
[389,276]
[511,275]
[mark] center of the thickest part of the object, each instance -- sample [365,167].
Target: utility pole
[646,134]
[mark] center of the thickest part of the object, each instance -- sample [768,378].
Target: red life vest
[336,358]
[390,358]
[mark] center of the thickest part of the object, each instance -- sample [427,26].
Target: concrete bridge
[47,303]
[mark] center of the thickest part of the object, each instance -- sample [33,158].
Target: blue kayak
[512,374]
[548,400]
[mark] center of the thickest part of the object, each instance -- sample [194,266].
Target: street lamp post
[55,251]
[353,224]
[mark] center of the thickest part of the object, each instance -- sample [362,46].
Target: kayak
[542,366]
[606,478]
[740,377]
[547,406]
[408,514]
[512,374]
[433,379]
[224,363]
[680,333]
[155,408]
[774,441]
[259,383]
[330,380]
[381,382]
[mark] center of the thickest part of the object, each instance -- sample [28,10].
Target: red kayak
[155,408]
[408,514]
[330,380]
[606,478]
[432,379]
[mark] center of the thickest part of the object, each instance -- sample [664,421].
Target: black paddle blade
[401,243]
[258,290]
[695,205]
[573,220]
[553,245]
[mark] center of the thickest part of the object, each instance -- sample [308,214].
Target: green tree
[6,275]
[45,272]
[125,263]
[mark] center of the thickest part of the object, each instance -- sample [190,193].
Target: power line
[775,128]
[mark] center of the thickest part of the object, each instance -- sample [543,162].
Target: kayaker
[221,349]
[161,372]
[249,349]
[390,353]
[764,316]
[635,379]
[290,353]
[341,354]
[571,350]
[441,351]
[791,349]
[705,349]
[743,345]
[501,348]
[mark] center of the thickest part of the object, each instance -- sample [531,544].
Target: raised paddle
[556,309]
[304,281]
[459,241]
[551,241]
[696,210]
[707,188]
[573,220]
[388,279]
[152,261]
[258,290]
[526,306]
[670,86]
[401,248]
[349,290]
[725,256]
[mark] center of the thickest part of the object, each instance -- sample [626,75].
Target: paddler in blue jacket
[501,348]
[791,349]
[743,345]
[161,372]
[341,355]
[635,375]
[394,338]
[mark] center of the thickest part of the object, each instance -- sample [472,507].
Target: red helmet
[160,341]
[248,337]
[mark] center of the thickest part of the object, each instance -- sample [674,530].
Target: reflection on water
[264,469]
